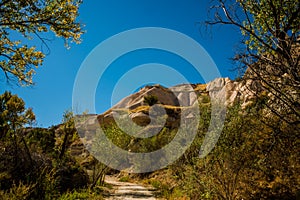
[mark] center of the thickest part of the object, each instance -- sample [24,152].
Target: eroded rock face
[164,96]
[132,106]
[185,94]
[174,99]
[230,92]
[217,90]
[140,118]
[222,90]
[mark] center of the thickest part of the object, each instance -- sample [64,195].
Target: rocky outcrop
[171,103]
[180,96]
[171,99]
[230,92]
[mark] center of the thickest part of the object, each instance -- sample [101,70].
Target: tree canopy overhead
[31,18]
[270,48]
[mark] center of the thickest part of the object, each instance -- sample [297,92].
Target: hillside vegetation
[251,160]
[257,155]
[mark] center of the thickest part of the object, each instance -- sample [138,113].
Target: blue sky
[52,94]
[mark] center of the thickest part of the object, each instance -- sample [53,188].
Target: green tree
[67,129]
[30,19]
[13,114]
[270,43]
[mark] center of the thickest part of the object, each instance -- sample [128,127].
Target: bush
[251,160]
[81,194]
[17,192]
[150,100]
[124,179]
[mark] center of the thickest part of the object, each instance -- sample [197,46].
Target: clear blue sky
[52,94]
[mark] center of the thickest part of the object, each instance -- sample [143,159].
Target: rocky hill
[146,106]
[180,96]
[170,103]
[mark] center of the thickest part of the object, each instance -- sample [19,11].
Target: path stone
[129,191]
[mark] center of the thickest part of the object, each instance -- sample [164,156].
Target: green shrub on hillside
[251,160]
[150,100]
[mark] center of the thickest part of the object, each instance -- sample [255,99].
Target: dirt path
[128,191]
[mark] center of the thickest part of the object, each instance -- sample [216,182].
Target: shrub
[124,179]
[17,192]
[150,100]
[80,194]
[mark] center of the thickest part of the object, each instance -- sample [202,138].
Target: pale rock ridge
[231,92]
[179,97]
[221,89]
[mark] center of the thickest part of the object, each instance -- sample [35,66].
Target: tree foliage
[13,114]
[29,19]
[34,161]
[250,161]
[270,53]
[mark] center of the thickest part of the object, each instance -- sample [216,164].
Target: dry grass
[115,109]
[200,87]
[140,109]
[146,108]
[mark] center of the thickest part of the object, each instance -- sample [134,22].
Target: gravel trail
[129,191]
